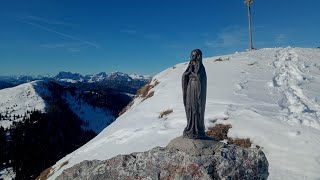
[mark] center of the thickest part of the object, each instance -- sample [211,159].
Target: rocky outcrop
[181,159]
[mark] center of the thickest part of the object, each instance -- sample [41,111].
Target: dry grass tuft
[143,92]
[44,174]
[63,164]
[219,131]
[149,95]
[245,143]
[156,82]
[165,113]
[222,59]
[126,108]
[251,64]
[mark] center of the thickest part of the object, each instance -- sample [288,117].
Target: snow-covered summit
[136,76]
[15,102]
[270,96]
[118,76]
[100,77]
[126,77]
[97,77]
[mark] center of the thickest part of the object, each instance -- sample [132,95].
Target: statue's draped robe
[194,87]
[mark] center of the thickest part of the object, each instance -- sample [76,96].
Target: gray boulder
[181,159]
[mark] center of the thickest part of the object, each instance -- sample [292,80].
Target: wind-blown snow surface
[270,96]
[21,99]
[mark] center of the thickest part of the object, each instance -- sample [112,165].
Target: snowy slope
[94,118]
[270,96]
[22,99]
[25,98]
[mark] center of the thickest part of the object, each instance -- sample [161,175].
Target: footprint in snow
[223,116]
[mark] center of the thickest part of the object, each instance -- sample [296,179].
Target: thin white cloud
[47,21]
[229,37]
[70,47]
[60,33]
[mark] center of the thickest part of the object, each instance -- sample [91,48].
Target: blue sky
[142,36]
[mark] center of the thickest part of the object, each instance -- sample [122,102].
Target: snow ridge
[19,100]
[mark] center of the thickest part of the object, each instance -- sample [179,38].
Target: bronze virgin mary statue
[194,89]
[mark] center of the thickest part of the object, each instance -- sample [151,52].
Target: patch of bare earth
[143,93]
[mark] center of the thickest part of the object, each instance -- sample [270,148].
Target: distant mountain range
[56,115]
[115,80]
[22,94]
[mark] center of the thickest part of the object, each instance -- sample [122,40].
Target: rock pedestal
[181,159]
[194,147]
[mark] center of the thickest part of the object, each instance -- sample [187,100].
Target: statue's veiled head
[196,56]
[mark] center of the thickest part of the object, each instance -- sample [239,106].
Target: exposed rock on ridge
[215,161]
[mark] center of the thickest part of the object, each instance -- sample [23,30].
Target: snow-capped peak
[100,77]
[69,77]
[143,77]
[97,77]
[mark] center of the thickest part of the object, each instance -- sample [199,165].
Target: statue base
[194,147]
